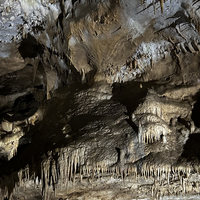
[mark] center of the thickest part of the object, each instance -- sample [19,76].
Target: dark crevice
[37,28]
[132,124]
[118,153]
[194,46]
[74,1]
[82,120]
[102,20]
[184,122]
[192,147]
[187,48]
[23,107]
[196,111]
[60,20]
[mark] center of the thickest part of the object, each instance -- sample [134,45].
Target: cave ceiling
[99,99]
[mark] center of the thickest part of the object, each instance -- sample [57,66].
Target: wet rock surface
[99,99]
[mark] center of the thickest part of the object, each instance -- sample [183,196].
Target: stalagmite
[80,175]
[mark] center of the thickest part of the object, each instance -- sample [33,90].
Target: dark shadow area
[37,28]
[131,94]
[74,1]
[184,122]
[192,147]
[23,107]
[29,47]
[119,154]
[60,20]
[80,121]
[90,77]
[196,111]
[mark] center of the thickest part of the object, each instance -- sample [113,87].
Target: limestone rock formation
[99,99]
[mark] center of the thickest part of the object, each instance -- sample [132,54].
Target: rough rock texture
[99,99]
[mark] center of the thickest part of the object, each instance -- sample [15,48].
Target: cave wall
[99,99]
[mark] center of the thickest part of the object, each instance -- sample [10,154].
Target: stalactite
[68,165]
[80,175]
[154,6]
[68,172]
[140,67]
[23,33]
[71,168]
[162,6]
[54,173]
[151,132]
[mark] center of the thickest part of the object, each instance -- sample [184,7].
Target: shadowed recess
[29,47]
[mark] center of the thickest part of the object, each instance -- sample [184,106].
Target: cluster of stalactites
[152,132]
[161,4]
[58,173]
[68,171]
[165,171]
[169,179]
[152,128]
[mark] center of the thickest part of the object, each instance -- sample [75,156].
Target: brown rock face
[99,99]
